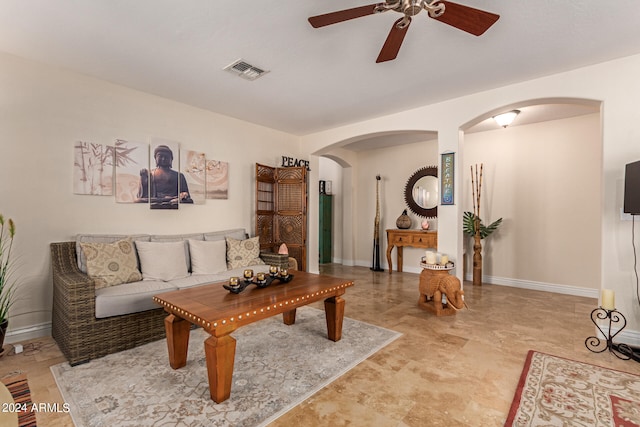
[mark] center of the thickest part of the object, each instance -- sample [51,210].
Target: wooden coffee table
[220,312]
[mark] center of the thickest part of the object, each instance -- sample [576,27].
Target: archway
[348,154]
[544,177]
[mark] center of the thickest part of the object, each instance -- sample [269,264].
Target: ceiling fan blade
[342,15]
[465,18]
[394,40]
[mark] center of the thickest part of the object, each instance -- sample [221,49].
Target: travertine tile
[451,371]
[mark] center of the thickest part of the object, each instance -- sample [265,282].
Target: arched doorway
[544,177]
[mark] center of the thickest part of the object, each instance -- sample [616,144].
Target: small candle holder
[261,279]
[248,275]
[596,345]
[284,273]
[273,270]
[234,282]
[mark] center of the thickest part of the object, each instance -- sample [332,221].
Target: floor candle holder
[596,345]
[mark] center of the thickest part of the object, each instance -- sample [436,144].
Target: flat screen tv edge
[632,188]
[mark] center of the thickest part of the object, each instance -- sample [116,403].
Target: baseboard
[28,333]
[631,338]
[539,286]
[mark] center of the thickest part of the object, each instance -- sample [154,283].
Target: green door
[325,229]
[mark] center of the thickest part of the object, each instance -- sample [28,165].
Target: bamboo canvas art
[93,169]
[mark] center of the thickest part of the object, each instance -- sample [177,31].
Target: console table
[416,238]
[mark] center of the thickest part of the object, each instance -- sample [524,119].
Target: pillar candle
[444,260]
[431,257]
[608,299]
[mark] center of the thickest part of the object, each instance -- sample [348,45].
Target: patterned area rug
[276,367]
[19,389]
[554,391]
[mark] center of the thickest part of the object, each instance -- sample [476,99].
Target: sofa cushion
[162,260]
[102,238]
[202,279]
[110,264]
[130,297]
[236,233]
[242,253]
[238,272]
[179,238]
[208,257]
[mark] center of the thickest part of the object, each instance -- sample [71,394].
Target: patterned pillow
[243,253]
[110,264]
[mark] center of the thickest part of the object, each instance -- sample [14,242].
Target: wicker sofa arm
[72,288]
[79,334]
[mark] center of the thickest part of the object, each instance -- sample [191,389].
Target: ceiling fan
[465,18]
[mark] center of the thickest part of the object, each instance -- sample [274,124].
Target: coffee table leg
[289,317]
[177,330]
[334,311]
[220,353]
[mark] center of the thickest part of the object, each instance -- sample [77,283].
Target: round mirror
[421,192]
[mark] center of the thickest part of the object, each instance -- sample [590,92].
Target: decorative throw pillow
[208,257]
[243,253]
[110,264]
[162,260]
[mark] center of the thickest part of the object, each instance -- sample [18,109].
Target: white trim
[539,286]
[631,338]
[28,333]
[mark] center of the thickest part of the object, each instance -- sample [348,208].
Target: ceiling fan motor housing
[412,7]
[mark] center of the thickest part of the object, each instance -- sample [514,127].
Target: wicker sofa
[81,334]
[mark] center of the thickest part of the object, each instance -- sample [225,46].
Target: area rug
[276,367]
[554,391]
[18,386]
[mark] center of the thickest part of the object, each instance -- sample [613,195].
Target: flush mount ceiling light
[505,119]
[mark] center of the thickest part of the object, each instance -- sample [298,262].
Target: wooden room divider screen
[281,210]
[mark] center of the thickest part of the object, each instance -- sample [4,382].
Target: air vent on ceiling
[245,70]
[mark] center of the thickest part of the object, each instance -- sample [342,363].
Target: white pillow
[162,260]
[208,257]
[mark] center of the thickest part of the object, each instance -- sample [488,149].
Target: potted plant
[472,224]
[469,225]
[7,284]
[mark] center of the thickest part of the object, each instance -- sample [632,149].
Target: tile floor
[460,370]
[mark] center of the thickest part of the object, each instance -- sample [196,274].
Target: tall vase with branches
[375,263]
[7,284]
[473,226]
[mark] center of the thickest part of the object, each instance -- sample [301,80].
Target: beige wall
[543,180]
[394,165]
[44,111]
[618,92]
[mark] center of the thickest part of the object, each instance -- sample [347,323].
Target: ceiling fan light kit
[465,18]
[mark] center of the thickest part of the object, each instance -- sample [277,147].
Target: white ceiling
[319,78]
